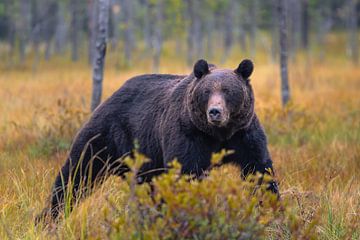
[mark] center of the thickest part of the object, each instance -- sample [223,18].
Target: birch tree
[285,90]
[100,53]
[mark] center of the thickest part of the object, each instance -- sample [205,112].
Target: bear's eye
[226,90]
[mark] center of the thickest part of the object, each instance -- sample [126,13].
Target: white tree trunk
[99,61]
[285,90]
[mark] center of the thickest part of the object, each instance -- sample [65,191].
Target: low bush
[220,206]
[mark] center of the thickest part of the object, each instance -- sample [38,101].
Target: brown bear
[170,116]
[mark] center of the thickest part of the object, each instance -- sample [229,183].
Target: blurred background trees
[31,30]
[200,28]
[282,30]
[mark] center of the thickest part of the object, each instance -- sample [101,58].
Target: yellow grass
[315,143]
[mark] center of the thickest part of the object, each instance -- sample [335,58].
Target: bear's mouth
[217,122]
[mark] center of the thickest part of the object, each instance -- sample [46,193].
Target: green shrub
[220,206]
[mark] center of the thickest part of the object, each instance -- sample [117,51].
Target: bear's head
[221,101]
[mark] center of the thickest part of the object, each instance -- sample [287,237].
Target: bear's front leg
[251,166]
[251,153]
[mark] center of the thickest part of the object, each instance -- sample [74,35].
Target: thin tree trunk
[61,30]
[115,13]
[305,24]
[195,34]
[210,35]
[157,40]
[229,34]
[48,49]
[285,90]
[116,9]
[98,67]
[75,29]
[92,25]
[353,31]
[9,6]
[50,22]
[147,27]
[241,29]
[253,26]
[128,32]
[36,43]
[25,11]
[325,25]
[274,31]
[190,32]
[198,32]
[35,33]
[294,13]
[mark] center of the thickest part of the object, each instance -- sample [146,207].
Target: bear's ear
[245,68]
[201,68]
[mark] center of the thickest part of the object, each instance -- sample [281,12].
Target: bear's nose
[215,114]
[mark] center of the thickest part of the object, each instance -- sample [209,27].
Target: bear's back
[138,95]
[149,88]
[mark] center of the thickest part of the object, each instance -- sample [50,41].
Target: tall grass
[314,144]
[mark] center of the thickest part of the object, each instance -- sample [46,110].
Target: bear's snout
[216,111]
[215,114]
